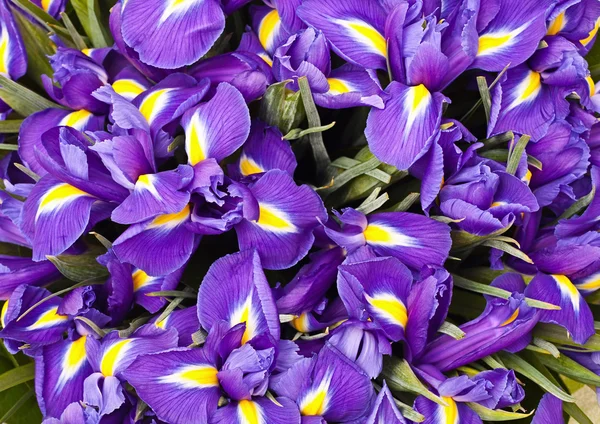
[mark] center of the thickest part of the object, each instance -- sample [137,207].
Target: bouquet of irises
[299,211]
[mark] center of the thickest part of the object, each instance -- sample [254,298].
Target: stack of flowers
[299,211]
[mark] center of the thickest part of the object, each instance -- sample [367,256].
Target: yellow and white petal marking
[367,35]
[48,319]
[389,307]
[272,219]
[154,103]
[171,220]
[245,313]
[449,414]
[4,50]
[301,323]
[128,88]
[46,5]
[589,283]
[338,86]
[591,85]
[316,401]
[268,27]
[140,279]
[163,323]
[146,182]
[527,89]
[568,290]
[591,35]
[175,7]
[496,41]
[113,355]
[195,140]
[74,358]
[266,58]
[416,101]
[557,24]
[250,412]
[3,314]
[76,119]
[527,177]
[382,235]
[248,166]
[57,197]
[193,377]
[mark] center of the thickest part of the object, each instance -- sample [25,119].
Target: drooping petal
[282,233]
[453,413]
[350,86]
[217,128]
[267,25]
[15,271]
[13,60]
[180,386]
[236,290]
[259,410]
[152,29]
[403,130]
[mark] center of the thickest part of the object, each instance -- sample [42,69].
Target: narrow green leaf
[79,268]
[478,103]
[297,133]
[170,308]
[496,414]
[405,203]
[497,140]
[536,163]
[498,292]
[172,293]
[9,147]
[400,376]
[35,177]
[347,163]
[89,15]
[572,369]
[351,173]
[16,376]
[103,240]
[576,207]
[451,330]
[486,98]
[77,39]
[514,157]
[39,14]
[507,248]
[523,367]
[24,101]
[368,207]
[493,362]
[320,154]
[547,346]
[178,141]
[38,46]
[17,405]
[92,325]
[11,126]
[281,107]
[558,335]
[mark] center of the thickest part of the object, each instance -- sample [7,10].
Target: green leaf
[514,156]
[9,147]
[10,126]
[349,174]
[320,154]
[281,107]
[400,376]
[523,367]
[22,100]
[16,376]
[77,39]
[507,248]
[473,286]
[558,335]
[36,12]
[546,346]
[297,133]
[405,203]
[567,366]
[38,46]
[471,111]
[451,330]
[79,268]
[486,98]
[496,414]
[347,163]
[88,12]
[100,332]
[29,412]
[371,205]
[496,140]
[172,293]
[18,405]
[35,177]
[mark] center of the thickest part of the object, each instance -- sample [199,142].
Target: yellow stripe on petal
[591,85]
[248,166]
[58,196]
[266,58]
[337,86]
[527,177]
[49,318]
[378,234]
[153,103]
[163,322]
[46,4]
[273,219]
[389,307]
[76,353]
[511,319]
[420,95]
[195,140]
[113,355]
[140,279]
[300,323]
[87,52]
[450,411]
[171,220]
[3,313]
[557,24]
[567,289]
[244,314]
[4,51]
[591,35]
[249,412]
[315,403]
[369,36]
[128,88]
[205,376]
[267,28]
[490,43]
[76,119]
